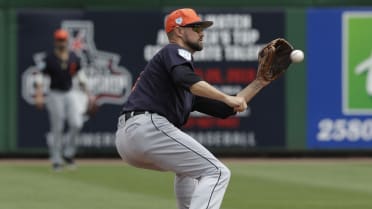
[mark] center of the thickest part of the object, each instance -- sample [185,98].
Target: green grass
[254,185]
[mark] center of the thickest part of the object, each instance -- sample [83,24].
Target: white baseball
[297,56]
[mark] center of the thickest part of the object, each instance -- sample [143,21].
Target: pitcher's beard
[195,46]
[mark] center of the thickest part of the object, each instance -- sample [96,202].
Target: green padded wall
[3,92]
[296,82]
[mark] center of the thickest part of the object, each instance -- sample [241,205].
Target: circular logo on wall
[109,82]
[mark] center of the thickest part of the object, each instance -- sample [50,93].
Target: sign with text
[114,55]
[340,80]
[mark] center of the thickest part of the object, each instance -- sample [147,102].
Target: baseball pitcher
[149,131]
[61,66]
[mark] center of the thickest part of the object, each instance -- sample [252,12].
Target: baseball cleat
[70,163]
[57,167]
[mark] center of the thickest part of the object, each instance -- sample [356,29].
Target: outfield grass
[254,185]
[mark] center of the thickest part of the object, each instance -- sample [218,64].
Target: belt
[130,114]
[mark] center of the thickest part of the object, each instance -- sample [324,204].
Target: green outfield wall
[295,85]
[3,90]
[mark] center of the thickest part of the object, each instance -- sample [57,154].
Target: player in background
[61,65]
[149,131]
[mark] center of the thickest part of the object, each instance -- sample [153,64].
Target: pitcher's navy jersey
[61,72]
[156,90]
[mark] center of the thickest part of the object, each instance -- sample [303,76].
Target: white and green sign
[357,63]
[339,73]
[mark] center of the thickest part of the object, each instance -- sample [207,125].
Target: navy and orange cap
[184,17]
[60,34]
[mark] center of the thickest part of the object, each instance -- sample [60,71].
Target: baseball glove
[274,59]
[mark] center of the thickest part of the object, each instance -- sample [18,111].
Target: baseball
[297,56]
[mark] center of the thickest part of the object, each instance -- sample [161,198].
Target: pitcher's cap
[60,34]
[184,17]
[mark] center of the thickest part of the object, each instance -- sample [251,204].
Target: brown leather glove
[274,59]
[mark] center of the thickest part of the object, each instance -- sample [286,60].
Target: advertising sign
[114,49]
[339,78]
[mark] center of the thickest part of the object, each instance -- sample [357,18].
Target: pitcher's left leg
[75,123]
[56,112]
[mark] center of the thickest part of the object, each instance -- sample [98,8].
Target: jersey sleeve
[212,107]
[184,76]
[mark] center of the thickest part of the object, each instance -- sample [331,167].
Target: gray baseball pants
[150,141]
[63,106]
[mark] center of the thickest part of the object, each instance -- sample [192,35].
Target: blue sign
[339,101]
